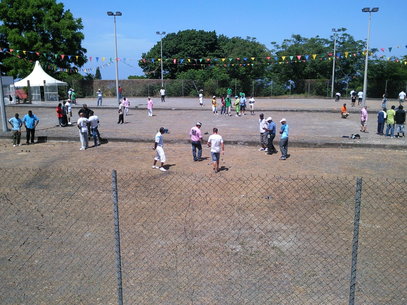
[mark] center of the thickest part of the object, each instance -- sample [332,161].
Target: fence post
[355,241]
[117,238]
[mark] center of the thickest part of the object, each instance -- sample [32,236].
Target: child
[214,105]
[121,113]
[150,106]
[237,105]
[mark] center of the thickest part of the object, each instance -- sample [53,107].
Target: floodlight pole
[370,11]
[116,56]
[333,63]
[161,58]
[3,107]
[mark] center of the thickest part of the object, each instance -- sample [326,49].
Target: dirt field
[237,159]
[258,232]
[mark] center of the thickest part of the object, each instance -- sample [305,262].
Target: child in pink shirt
[150,106]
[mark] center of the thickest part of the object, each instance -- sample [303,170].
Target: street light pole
[333,64]
[117,58]
[161,58]
[370,11]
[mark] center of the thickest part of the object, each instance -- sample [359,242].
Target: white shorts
[159,154]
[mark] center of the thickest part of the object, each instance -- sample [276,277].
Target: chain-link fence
[200,239]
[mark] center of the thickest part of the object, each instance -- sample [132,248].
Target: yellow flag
[283,57]
[346,54]
[314,56]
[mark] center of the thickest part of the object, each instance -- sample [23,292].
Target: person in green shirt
[228,102]
[237,105]
[390,121]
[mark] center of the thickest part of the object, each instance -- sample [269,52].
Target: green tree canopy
[43,29]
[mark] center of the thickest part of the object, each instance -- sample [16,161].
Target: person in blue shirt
[30,121]
[381,119]
[284,139]
[271,130]
[16,124]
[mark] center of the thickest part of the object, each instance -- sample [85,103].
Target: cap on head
[198,124]
[269,119]
[283,120]
[162,129]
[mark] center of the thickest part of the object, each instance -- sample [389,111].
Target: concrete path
[312,122]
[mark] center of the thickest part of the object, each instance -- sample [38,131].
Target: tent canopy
[37,78]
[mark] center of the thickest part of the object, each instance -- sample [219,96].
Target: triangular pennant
[306,57]
[291,57]
[25,52]
[223,59]
[97,59]
[283,57]
[174,60]
[252,58]
[338,55]
[299,57]
[390,49]
[314,56]
[346,54]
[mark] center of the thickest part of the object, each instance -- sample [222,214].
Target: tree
[197,51]
[348,67]
[188,44]
[98,75]
[39,30]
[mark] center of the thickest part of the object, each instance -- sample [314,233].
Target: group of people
[239,104]
[29,121]
[215,142]
[394,121]
[268,131]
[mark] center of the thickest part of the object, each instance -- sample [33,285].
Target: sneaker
[163,169]
[82,148]
[266,149]
[261,149]
[282,158]
[155,167]
[14,145]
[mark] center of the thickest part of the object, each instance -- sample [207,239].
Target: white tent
[39,78]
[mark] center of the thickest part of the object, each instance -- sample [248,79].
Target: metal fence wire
[200,239]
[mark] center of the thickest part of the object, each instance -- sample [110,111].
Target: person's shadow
[223,168]
[168,166]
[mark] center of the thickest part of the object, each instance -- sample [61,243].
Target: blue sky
[267,20]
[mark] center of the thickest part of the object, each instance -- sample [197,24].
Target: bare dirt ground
[238,159]
[246,235]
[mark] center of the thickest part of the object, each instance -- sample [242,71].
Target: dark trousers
[95,135]
[162,98]
[121,118]
[196,145]
[270,146]
[284,147]
[380,128]
[30,134]
[16,137]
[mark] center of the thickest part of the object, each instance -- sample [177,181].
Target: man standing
[284,139]
[360,97]
[400,119]
[196,141]
[215,142]
[158,147]
[30,121]
[271,130]
[94,128]
[402,97]
[83,130]
[16,124]
[263,134]
[200,96]
[120,89]
[381,118]
[353,97]
[162,93]
[68,110]
[86,112]
[363,119]
[73,97]
[251,105]
[100,97]
[390,114]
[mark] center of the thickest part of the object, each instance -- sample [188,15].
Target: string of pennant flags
[224,61]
